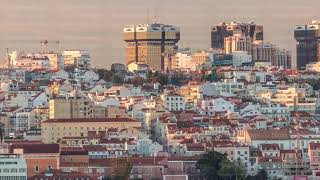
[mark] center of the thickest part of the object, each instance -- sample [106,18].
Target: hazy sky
[97,25]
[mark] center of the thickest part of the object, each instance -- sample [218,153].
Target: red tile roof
[270,147]
[73,151]
[36,148]
[274,134]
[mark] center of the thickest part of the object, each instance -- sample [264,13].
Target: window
[37,168]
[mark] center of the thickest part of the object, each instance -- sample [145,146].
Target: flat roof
[77,120]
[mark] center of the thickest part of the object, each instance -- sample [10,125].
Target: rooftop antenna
[155,17]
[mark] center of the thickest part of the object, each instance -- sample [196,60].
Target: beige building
[77,59]
[283,59]
[56,60]
[200,57]
[237,43]
[294,98]
[40,114]
[115,112]
[56,129]
[74,108]
[150,43]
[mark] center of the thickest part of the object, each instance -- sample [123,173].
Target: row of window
[174,98]
[76,128]
[8,162]
[13,177]
[13,170]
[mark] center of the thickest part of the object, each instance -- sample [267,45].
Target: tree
[117,80]
[137,81]
[210,164]
[157,77]
[121,169]
[215,165]
[230,170]
[262,174]
[104,74]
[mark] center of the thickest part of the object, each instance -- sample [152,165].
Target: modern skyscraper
[223,30]
[237,42]
[308,43]
[150,43]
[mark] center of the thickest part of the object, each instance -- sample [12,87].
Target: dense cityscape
[244,108]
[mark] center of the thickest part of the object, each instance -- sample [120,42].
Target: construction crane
[44,45]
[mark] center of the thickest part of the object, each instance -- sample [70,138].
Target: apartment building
[55,129]
[13,167]
[150,44]
[74,108]
[77,58]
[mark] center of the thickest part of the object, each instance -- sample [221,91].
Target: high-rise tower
[150,43]
[223,30]
[308,43]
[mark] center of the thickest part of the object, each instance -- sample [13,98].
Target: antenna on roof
[155,17]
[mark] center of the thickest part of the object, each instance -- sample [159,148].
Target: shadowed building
[308,43]
[223,30]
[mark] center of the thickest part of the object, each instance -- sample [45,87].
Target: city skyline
[97,26]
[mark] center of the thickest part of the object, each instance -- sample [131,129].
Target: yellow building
[56,129]
[74,108]
[191,93]
[150,43]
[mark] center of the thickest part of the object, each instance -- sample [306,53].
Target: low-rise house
[270,150]
[146,146]
[174,102]
[147,167]
[314,155]
[39,157]
[22,120]
[256,137]
[218,105]
[273,166]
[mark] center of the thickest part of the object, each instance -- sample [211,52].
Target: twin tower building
[152,44]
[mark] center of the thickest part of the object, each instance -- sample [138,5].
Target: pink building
[314,155]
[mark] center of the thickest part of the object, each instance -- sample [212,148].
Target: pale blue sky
[97,25]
